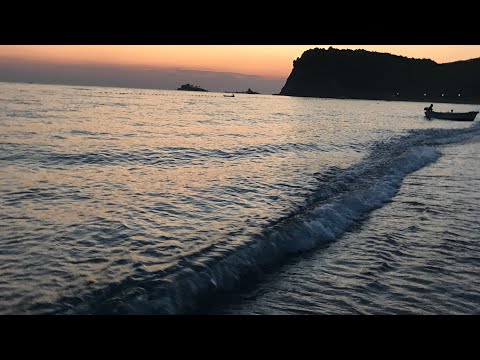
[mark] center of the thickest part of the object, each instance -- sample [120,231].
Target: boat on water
[468,116]
[233,95]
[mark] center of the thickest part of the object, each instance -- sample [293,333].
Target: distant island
[249,91]
[361,74]
[189,87]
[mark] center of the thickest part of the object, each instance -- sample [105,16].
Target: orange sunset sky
[263,68]
[262,60]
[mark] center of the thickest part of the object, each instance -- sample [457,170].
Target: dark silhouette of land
[361,74]
[249,91]
[189,87]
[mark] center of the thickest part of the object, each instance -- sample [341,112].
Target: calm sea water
[129,201]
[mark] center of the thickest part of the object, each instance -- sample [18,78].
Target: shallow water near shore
[131,201]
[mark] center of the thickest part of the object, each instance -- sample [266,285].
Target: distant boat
[233,95]
[468,116]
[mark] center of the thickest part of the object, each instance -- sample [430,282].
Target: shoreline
[429,100]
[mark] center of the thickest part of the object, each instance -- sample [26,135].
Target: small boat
[233,95]
[468,116]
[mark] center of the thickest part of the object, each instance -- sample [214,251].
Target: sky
[263,68]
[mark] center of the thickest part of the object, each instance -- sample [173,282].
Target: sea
[144,201]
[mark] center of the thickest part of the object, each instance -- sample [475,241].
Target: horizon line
[118,87]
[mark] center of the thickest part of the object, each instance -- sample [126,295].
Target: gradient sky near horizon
[272,63]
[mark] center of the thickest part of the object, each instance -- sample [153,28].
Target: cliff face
[361,74]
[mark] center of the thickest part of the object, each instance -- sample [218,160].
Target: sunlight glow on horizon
[271,61]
